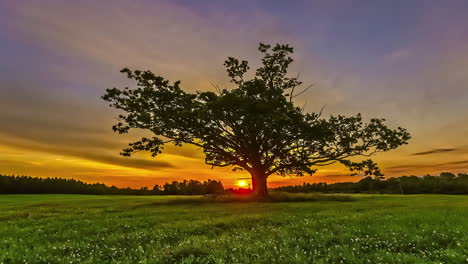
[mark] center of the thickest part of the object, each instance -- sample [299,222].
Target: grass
[275,197]
[170,229]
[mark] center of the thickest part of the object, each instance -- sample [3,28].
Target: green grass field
[129,229]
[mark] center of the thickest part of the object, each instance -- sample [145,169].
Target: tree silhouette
[253,127]
[445,183]
[24,184]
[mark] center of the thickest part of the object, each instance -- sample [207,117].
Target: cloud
[51,101]
[42,122]
[86,153]
[144,35]
[435,151]
[460,164]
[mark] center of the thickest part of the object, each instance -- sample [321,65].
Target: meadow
[175,229]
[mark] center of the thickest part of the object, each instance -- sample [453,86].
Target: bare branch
[303,107]
[321,111]
[216,87]
[303,91]
[294,87]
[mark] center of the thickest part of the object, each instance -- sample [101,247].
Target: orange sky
[407,63]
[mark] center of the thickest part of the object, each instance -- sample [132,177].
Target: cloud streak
[434,151]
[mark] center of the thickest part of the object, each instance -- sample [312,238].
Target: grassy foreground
[129,229]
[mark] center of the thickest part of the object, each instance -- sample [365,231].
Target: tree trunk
[259,185]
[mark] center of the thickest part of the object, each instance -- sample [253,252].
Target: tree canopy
[254,126]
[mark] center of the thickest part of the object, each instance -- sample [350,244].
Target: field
[132,229]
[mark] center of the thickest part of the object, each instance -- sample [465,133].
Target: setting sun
[242,183]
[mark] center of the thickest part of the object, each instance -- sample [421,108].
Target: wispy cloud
[434,151]
[422,168]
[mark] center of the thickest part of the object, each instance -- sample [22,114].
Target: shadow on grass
[275,197]
[46,204]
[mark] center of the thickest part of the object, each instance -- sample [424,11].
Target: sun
[242,183]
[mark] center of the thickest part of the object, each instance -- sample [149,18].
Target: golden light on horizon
[242,183]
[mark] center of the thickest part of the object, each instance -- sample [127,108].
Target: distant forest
[10,184]
[445,183]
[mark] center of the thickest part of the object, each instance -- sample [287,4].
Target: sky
[405,61]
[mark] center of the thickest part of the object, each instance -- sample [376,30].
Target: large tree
[255,126]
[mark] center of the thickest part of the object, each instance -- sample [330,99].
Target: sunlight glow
[242,183]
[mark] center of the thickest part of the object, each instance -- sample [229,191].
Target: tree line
[10,184]
[189,187]
[445,183]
